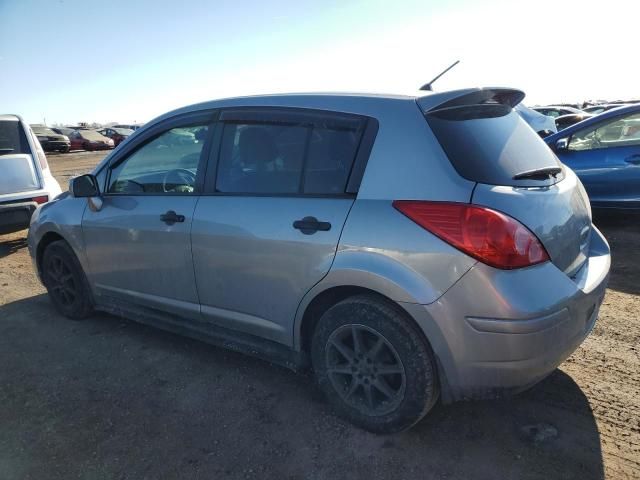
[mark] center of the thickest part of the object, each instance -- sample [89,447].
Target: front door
[268,230]
[138,244]
[606,157]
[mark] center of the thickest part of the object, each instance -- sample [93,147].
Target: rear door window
[275,153]
[490,143]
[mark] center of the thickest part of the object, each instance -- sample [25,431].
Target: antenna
[427,86]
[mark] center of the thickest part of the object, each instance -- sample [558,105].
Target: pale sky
[68,61]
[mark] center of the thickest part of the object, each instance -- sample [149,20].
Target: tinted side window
[12,138]
[261,158]
[331,155]
[287,157]
[166,165]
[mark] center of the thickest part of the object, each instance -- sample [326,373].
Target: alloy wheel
[365,369]
[60,281]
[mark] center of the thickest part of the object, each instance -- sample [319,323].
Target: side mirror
[562,144]
[84,186]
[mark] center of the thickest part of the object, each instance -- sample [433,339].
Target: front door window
[166,165]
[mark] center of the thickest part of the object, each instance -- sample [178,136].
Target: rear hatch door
[17,174]
[17,170]
[516,173]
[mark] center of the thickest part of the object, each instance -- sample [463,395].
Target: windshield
[123,131]
[43,131]
[91,135]
[12,138]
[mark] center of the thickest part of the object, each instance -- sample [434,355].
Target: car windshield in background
[122,131]
[43,131]
[490,143]
[91,135]
[12,138]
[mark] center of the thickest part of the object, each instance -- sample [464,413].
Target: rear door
[516,173]
[268,227]
[606,157]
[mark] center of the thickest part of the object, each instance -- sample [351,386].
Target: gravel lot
[108,398]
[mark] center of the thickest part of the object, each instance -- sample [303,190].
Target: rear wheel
[374,365]
[65,281]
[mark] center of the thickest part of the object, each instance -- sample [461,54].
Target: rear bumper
[16,216]
[498,332]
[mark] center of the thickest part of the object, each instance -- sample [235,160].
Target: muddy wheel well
[323,302]
[47,239]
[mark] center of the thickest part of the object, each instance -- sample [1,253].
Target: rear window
[12,138]
[490,143]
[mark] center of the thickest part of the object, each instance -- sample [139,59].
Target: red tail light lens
[487,235]
[41,200]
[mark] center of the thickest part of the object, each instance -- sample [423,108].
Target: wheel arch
[344,283]
[46,240]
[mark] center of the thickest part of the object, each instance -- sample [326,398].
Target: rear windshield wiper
[6,150]
[539,173]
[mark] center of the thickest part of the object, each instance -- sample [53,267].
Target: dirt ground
[108,398]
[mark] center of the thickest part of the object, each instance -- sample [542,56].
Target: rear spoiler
[471,96]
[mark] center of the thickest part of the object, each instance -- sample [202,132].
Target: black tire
[410,378]
[66,282]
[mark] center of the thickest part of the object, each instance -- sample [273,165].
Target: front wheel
[65,281]
[374,365]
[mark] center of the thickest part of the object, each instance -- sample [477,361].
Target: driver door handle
[171,217]
[634,159]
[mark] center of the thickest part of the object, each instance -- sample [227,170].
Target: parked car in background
[542,124]
[133,127]
[411,248]
[604,151]
[556,110]
[89,140]
[118,135]
[564,121]
[596,109]
[25,178]
[50,140]
[63,130]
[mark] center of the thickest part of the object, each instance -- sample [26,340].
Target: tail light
[40,200]
[485,234]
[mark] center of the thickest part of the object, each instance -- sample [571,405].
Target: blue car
[604,151]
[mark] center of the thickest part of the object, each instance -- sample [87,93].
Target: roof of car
[347,102]
[10,116]
[559,107]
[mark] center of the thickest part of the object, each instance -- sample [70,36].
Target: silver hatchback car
[406,248]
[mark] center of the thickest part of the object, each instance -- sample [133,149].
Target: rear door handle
[634,159]
[171,217]
[310,225]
